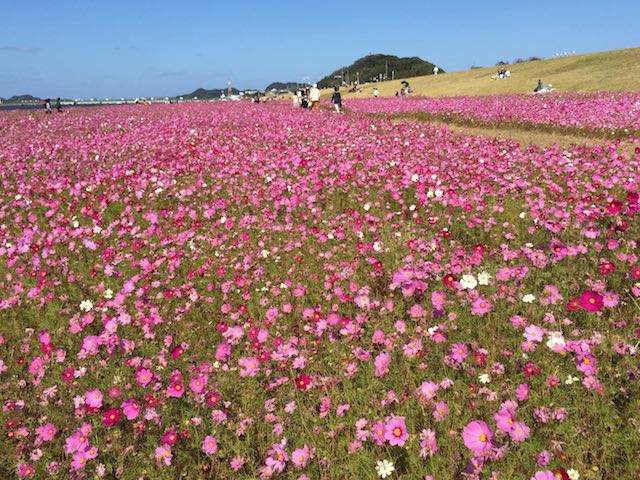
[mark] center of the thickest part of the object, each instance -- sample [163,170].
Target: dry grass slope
[613,71]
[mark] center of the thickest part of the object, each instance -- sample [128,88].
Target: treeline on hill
[379,67]
[204,94]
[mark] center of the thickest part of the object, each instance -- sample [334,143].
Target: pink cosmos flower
[381,363]
[477,437]
[378,431]
[533,333]
[209,445]
[300,456]
[440,411]
[93,398]
[396,431]
[544,475]
[163,454]
[144,376]
[46,432]
[428,445]
[175,390]
[198,383]
[25,470]
[459,352]
[438,299]
[416,311]
[236,463]
[519,432]
[480,306]
[249,366]
[81,457]
[131,409]
[505,420]
[428,390]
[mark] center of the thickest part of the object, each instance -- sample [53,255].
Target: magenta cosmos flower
[477,437]
[396,431]
[591,301]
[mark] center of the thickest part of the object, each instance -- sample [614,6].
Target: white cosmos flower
[377,246]
[367,207]
[573,474]
[108,293]
[264,253]
[483,278]
[556,341]
[571,380]
[438,193]
[528,298]
[468,282]
[484,378]
[384,468]
[415,177]
[86,305]
[522,214]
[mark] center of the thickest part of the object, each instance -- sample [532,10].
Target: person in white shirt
[435,70]
[314,96]
[376,92]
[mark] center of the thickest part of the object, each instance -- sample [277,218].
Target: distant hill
[203,94]
[284,86]
[372,66]
[22,99]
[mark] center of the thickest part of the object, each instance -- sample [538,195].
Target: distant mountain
[203,94]
[370,67]
[284,86]
[22,99]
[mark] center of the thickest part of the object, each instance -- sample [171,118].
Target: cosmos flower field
[240,291]
[613,113]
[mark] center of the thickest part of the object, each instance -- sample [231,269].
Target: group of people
[47,105]
[310,98]
[307,97]
[502,73]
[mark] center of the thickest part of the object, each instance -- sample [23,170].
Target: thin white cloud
[19,49]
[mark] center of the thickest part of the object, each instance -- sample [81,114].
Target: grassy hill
[613,70]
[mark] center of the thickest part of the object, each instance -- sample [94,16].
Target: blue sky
[129,48]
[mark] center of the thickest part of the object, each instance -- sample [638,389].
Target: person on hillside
[47,105]
[304,99]
[435,70]
[314,96]
[336,99]
[376,92]
[58,105]
[543,87]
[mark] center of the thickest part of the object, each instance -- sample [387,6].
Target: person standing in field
[47,105]
[376,92]
[314,96]
[58,105]
[435,70]
[336,99]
